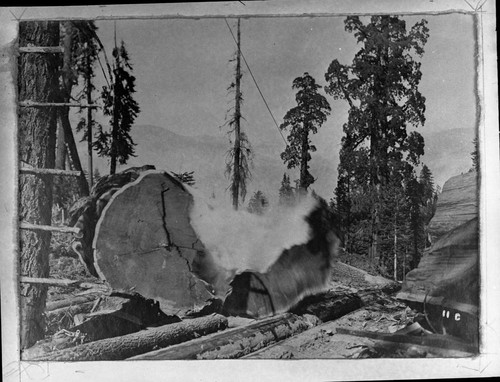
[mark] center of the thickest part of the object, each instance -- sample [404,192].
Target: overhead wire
[256,84]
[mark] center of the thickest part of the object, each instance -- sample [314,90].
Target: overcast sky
[183,70]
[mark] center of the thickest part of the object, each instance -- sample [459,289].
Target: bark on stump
[127,346]
[144,242]
[299,271]
[37,81]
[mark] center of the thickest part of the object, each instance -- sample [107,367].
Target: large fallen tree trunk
[151,237]
[330,305]
[118,348]
[237,342]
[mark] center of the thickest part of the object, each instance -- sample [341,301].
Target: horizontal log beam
[58,282]
[37,227]
[237,342]
[41,49]
[55,104]
[118,348]
[54,305]
[49,171]
[328,306]
[71,310]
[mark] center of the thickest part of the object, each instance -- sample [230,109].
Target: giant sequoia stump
[144,242]
[154,238]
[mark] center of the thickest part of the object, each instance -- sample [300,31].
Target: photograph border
[486,364]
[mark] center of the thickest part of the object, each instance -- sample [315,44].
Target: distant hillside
[206,156]
[447,154]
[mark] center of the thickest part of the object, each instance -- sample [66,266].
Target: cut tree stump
[237,342]
[300,270]
[118,348]
[144,242]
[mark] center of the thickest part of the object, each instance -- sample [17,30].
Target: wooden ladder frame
[29,170]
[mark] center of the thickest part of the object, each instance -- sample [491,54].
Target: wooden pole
[89,118]
[29,103]
[58,282]
[41,49]
[48,228]
[49,171]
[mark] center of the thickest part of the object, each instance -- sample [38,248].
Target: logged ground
[386,315]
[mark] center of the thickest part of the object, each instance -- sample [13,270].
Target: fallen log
[118,348]
[328,306]
[237,342]
[111,316]
[58,304]
[121,314]
[429,340]
[71,310]
[64,318]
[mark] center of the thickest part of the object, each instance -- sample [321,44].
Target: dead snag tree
[240,155]
[37,81]
[69,78]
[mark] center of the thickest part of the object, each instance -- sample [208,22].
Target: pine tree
[120,105]
[426,179]
[286,193]
[381,88]
[258,204]
[415,202]
[85,52]
[303,120]
[239,156]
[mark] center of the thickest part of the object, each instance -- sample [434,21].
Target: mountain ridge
[447,153]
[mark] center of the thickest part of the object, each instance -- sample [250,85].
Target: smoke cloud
[238,241]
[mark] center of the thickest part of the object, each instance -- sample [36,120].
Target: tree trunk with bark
[37,81]
[235,187]
[119,348]
[68,81]
[235,343]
